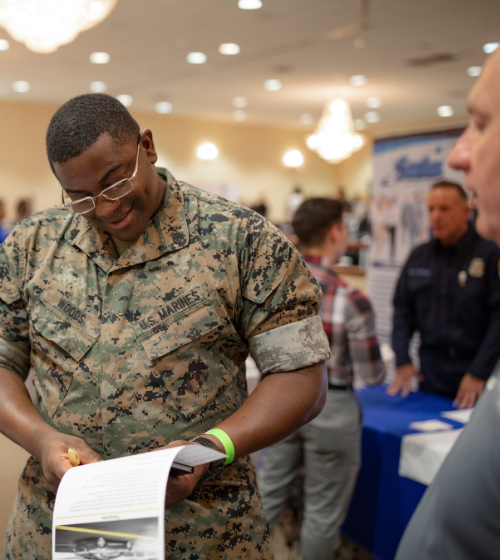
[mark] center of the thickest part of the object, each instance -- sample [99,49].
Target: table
[383,502]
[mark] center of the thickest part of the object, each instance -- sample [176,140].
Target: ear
[148,145]
[333,233]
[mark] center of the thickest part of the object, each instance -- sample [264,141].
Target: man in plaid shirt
[329,446]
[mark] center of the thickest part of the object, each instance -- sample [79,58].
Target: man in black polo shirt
[449,291]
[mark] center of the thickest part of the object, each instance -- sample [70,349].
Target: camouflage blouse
[134,351]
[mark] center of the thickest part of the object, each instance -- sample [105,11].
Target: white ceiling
[296,41]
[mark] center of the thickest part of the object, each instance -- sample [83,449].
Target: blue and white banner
[404,170]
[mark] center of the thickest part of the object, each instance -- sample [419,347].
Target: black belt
[340,387]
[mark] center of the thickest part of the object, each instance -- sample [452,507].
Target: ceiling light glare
[272,85]
[98,87]
[100,58]
[293,158]
[4,45]
[240,102]
[312,142]
[372,117]
[474,71]
[21,86]
[445,111]
[207,151]
[125,100]
[229,49]
[306,119]
[357,141]
[490,47]
[249,4]
[359,124]
[374,102]
[163,107]
[359,44]
[358,80]
[240,115]
[196,58]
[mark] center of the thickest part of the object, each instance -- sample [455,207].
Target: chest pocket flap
[179,322]
[64,324]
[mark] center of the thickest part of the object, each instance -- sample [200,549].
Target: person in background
[328,446]
[3,232]
[458,517]
[23,209]
[448,291]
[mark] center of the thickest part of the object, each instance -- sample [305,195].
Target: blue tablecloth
[383,501]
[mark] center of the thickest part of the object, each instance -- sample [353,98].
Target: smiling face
[102,165]
[477,151]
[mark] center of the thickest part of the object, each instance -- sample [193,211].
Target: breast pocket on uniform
[61,334]
[179,339]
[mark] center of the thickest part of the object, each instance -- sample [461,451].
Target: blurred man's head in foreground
[477,151]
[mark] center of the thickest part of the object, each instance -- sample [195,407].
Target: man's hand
[404,375]
[53,454]
[180,487]
[469,391]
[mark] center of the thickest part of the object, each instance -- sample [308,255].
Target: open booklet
[116,508]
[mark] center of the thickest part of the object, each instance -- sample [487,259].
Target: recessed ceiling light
[98,87]
[207,151]
[240,115]
[490,47]
[249,4]
[164,107]
[4,45]
[196,58]
[312,142]
[100,58]
[445,111]
[21,86]
[126,100]
[240,102]
[374,102]
[229,48]
[359,124]
[359,43]
[306,119]
[372,117]
[474,71]
[272,85]
[358,80]
[293,158]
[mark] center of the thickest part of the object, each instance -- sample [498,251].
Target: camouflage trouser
[222,519]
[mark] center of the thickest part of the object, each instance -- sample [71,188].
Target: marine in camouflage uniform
[135,351]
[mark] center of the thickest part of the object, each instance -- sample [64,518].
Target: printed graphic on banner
[404,171]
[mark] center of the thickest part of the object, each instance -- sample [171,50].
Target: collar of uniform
[463,247]
[166,232]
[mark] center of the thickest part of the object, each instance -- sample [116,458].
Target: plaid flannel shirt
[349,324]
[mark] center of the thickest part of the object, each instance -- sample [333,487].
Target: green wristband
[226,442]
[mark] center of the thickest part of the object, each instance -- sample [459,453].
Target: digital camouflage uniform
[133,352]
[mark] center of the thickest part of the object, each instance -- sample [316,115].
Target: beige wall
[249,156]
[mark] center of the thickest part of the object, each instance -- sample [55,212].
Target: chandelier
[335,138]
[44,25]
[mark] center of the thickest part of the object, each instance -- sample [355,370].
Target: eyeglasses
[114,192]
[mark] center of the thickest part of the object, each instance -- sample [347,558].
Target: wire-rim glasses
[114,192]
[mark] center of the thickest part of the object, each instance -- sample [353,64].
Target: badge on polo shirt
[462,278]
[476,268]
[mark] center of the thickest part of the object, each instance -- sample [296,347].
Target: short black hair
[451,185]
[314,218]
[78,123]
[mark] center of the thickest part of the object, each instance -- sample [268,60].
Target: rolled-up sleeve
[14,320]
[279,302]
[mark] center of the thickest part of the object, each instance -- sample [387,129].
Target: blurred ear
[333,233]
